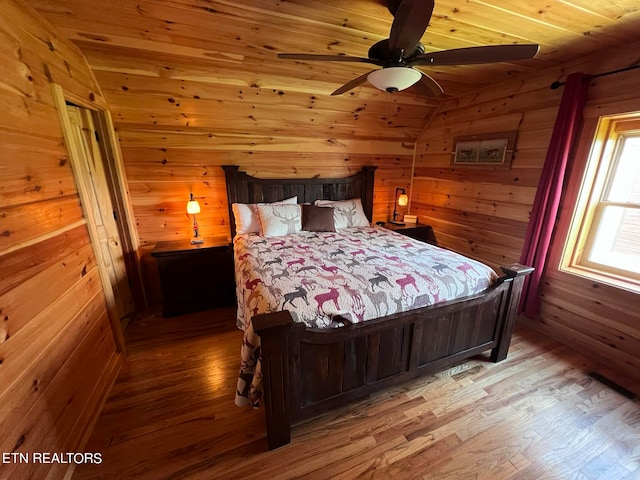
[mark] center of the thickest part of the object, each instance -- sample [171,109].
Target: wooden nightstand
[195,277]
[421,232]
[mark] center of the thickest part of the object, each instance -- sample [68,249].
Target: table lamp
[402,200]
[193,207]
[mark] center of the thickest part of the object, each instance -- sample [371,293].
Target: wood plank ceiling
[210,65]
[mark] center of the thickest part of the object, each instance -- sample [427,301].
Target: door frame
[114,165]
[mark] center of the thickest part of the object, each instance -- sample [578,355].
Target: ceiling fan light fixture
[394,79]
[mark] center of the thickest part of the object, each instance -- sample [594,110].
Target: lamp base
[397,222]
[197,240]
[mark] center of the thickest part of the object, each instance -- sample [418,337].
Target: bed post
[367,192]
[516,273]
[273,329]
[231,179]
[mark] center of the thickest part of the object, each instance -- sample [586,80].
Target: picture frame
[484,150]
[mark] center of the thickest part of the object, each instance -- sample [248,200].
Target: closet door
[100,211]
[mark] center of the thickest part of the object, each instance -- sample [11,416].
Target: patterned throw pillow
[346,213]
[246,215]
[277,220]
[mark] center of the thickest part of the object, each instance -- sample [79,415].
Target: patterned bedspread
[327,279]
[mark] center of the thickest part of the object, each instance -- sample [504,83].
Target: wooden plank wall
[165,161]
[483,213]
[193,87]
[58,356]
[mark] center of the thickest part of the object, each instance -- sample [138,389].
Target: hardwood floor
[536,415]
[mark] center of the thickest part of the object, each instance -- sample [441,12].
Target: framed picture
[491,149]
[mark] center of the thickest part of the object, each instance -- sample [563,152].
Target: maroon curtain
[549,193]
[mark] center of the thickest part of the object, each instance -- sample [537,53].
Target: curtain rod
[556,85]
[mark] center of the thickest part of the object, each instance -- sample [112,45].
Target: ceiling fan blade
[410,22]
[329,58]
[392,6]
[352,84]
[428,86]
[472,55]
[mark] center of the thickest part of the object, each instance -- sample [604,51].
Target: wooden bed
[308,371]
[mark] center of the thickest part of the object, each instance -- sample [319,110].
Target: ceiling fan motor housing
[382,55]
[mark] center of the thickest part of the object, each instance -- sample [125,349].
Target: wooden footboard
[309,371]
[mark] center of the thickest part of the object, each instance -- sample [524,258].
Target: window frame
[602,162]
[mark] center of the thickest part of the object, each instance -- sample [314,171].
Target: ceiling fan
[402,51]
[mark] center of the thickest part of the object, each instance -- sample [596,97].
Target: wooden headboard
[243,188]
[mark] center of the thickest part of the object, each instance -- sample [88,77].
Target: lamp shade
[193,207]
[393,79]
[403,199]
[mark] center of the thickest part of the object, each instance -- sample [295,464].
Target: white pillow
[346,213]
[246,215]
[277,220]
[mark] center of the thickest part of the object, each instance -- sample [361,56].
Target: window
[604,238]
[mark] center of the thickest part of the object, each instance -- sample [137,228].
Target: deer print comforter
[327,279]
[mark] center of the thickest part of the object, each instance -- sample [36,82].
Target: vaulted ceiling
[211,65]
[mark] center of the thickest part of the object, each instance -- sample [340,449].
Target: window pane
[617,241]
[625,184]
